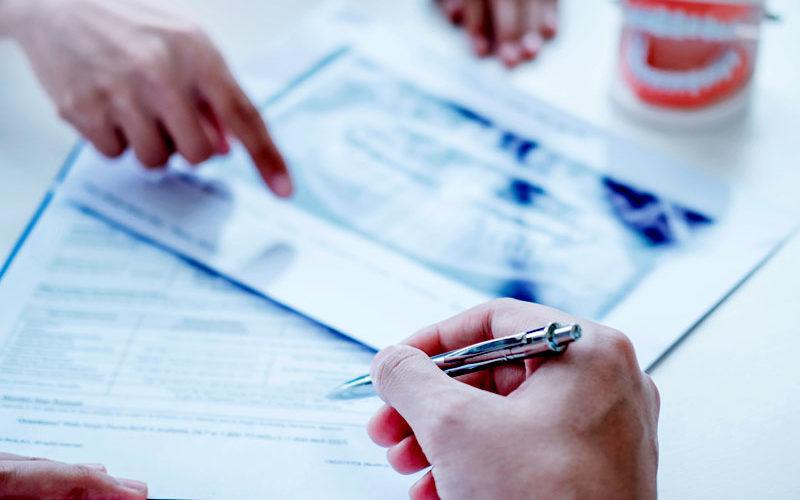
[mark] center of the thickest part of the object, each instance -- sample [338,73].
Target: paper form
[423,188]
[279,250]
[115,352]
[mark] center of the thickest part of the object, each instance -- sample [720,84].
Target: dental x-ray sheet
[424,186]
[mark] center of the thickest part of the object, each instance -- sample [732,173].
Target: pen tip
[357,388]
[335,394]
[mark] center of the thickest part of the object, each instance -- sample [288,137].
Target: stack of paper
[184,329]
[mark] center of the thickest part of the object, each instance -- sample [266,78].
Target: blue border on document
[295,82]
[43,205]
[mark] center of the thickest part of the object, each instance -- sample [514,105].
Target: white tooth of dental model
[691,81]
[680,26]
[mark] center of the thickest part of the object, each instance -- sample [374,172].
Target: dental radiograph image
[466,196]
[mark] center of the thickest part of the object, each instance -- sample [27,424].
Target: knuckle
[81,480]
[94,120]
[249,114]
[122,102]
[162,100]
[149,64]
[652,388]
[120,83]
[154,80]
[611,358]
[65,112]
[80,105]
[242,110]
[230,105]
[617,347]
[83,476]
[67,105]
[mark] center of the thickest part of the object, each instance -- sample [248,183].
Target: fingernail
[509,54]
[532,44]
[550,25]
[454,12]
[281,184]
[133,484]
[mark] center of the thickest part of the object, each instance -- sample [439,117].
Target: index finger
[493,319]
[238,115]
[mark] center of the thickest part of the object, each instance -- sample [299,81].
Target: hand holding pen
[579,424]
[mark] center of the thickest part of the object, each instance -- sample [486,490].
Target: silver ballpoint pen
[544,341]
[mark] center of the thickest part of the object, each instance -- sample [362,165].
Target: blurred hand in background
[130,73]
[512,30]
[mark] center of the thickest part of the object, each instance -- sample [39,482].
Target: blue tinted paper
[467,196]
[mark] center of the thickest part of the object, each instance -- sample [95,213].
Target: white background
[731,390]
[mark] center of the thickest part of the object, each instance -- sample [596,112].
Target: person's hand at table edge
[579,425]
[37,478]
[131,73]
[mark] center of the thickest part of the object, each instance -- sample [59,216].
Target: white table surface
[730,400]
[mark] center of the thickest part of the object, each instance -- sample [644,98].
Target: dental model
[688,55]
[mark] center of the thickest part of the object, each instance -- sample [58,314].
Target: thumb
[406,379]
